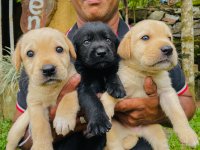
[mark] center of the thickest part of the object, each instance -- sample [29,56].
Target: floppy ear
[124,49]
[16,56]
[71,48]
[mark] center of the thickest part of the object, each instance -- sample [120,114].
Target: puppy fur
[147,50]
[45,56]
[97,62]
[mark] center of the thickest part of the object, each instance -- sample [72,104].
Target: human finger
[150,87]
[129,104]
[127,120]
[70,85]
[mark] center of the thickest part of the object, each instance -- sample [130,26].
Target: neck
[113,22]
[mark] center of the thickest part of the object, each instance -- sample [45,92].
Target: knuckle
[123,107]
[131,121]
[141,107]
[133,116]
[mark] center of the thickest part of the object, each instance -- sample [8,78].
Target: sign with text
[36,13]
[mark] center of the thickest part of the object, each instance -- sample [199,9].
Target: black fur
[77,141]
[97,62]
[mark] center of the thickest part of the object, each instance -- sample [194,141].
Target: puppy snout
[167,50]
[48,70]
[101,52]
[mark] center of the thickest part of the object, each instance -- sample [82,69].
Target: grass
[173,140]
[4,127]
[8,75]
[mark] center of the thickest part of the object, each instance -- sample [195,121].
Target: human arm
[144,111]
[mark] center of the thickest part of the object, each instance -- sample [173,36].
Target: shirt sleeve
[22,93]
[178,80]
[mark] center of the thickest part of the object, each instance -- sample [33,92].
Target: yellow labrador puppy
[45,56]
[147,50]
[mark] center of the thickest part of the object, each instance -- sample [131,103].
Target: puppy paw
[99,125]
[116,90]
[63,126]
[188,137]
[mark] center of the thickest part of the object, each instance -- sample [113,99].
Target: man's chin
[95,15]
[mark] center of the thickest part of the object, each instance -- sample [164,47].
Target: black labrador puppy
[97,62]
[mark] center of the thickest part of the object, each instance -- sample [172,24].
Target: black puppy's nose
[100,52]
[167,50]
[48,70]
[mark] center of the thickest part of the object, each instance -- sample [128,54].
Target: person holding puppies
[130,112]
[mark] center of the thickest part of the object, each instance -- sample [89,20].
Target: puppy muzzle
[49,73]
[48,70]
[166,50]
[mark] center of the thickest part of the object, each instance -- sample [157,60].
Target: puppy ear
[71,48]
[124,49]
[16,56]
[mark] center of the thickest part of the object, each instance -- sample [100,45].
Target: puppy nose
[101,52]
[167,50]
[48,70]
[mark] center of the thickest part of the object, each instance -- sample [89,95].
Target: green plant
[195,3]
[133,4]
[126,5]
[4,128]
[18,1]
[137,4]
[8,75]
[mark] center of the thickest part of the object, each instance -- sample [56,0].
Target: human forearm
[188,104]
[144,111]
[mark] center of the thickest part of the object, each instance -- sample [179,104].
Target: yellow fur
[40,96]
[141,61]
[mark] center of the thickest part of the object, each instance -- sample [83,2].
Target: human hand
[141,111]
[69,87]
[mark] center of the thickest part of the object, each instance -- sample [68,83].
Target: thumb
[70,86]
[72,83]
[150,86]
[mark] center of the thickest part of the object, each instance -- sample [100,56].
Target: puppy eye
[108,41]
[86,42]
[170,38]
[30,53]
[145,37]
[59,49]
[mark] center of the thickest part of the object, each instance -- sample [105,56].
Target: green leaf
[18,1]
